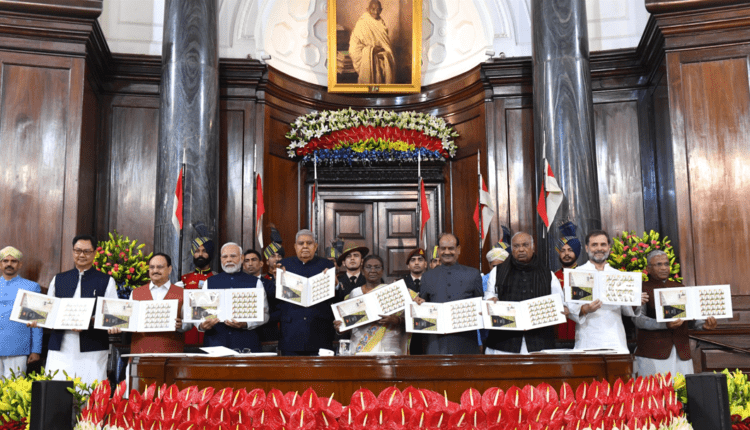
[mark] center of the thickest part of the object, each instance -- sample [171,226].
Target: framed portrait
[374,46]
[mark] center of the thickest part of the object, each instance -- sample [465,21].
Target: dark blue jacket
[306,329]
[220,334]
[93,284]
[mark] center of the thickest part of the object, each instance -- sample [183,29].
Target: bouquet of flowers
[629,253]
[347,136]
[123,259]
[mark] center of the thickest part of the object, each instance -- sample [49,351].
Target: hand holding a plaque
[591,307]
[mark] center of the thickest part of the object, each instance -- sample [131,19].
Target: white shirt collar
[166,285]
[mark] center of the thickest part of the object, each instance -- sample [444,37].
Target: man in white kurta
[77,356]
[370,48]
[600,326]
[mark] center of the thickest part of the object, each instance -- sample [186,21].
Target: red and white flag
[424,210]
[260,209]
[550,196]
[177,204]
[485,201]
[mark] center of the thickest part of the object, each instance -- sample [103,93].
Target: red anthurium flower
[391,398]
[441,403]
[365,421]
[418,420]
[277,418]
[363,400]
[514,399]
[492,400]
[171,393]
[438,420]
[221,398]
[237,400]
[552,415]
[171,412]
[302,419]
[466,419]
[330,406]
[219,414]
[413,399]
[135,401]
[193,415]
[535,401]
[566,396]
[204,396]
[582,393]
[547,393]
[399,418]
[471,400]
[188,396]
[326,421]
[310,400]
[148,393]
[255,399]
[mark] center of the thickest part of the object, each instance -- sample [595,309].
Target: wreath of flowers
[373,135]
[629,253]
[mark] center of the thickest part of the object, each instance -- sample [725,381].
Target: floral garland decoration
[629,253]
[370,136]
[124,261]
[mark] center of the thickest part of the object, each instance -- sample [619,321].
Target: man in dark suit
[252,264]
[305,330]
[449,282]
[417,264]
[232,334]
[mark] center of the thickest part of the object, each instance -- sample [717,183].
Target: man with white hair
[305,330]
[239,336]
[19,345]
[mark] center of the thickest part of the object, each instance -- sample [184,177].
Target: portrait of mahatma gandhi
[373,41]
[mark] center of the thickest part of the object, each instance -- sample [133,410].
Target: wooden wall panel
[521,177]
[133,136]
[40,126]
[231,161]
[619,166]
[717,124]
[664,166]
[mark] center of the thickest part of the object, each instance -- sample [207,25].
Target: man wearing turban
[202,248]
[568,248]
[19,345]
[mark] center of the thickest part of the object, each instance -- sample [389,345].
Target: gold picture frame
[384,68]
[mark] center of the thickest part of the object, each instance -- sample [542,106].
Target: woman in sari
[388,333]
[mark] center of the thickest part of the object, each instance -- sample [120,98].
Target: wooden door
[382,218]
[350,221]
[397,232]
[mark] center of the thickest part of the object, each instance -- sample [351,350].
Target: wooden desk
[344,375]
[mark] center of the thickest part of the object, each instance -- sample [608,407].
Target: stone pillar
[189,120]
[563,117]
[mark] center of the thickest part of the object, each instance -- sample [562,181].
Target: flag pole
[419,198]
[255,196]
[317,191]
[182,228]
[479,205]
